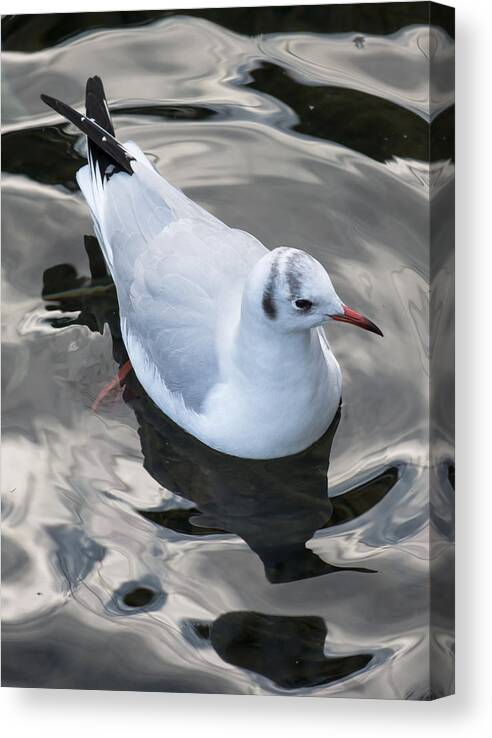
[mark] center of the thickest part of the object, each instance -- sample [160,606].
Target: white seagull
[224,335]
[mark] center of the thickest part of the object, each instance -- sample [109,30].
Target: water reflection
[287,650]
[275,505]
[284,124]
[143,595]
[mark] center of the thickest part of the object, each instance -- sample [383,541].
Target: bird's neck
[261,350]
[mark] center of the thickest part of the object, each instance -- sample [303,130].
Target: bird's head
[291,291]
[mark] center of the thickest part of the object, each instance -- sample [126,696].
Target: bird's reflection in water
[287,650]
[275,505]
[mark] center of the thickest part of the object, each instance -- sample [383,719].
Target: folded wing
[173,263]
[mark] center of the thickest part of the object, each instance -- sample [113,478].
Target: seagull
[225,336]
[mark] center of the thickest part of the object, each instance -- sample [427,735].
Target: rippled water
[134,557]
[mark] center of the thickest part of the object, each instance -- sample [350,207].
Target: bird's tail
[105,153]
[96,109]
[141,204]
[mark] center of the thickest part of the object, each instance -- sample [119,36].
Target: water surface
[134,556]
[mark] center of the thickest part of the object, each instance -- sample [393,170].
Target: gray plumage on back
[175,316]
[171,308]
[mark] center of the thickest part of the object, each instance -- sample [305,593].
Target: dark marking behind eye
[268,304]
[294,284]
[268,300]
[293,274]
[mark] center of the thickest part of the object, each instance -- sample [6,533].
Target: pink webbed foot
[116,382]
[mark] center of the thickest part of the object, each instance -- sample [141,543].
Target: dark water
[134,557]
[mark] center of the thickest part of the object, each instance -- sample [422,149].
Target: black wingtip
[96,105]
[103,139]
[52,102]
[95,85]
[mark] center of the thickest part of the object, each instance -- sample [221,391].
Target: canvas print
[227,247]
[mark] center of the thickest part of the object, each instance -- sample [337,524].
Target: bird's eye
[303,304]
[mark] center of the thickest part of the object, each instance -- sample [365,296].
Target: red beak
[352,316]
